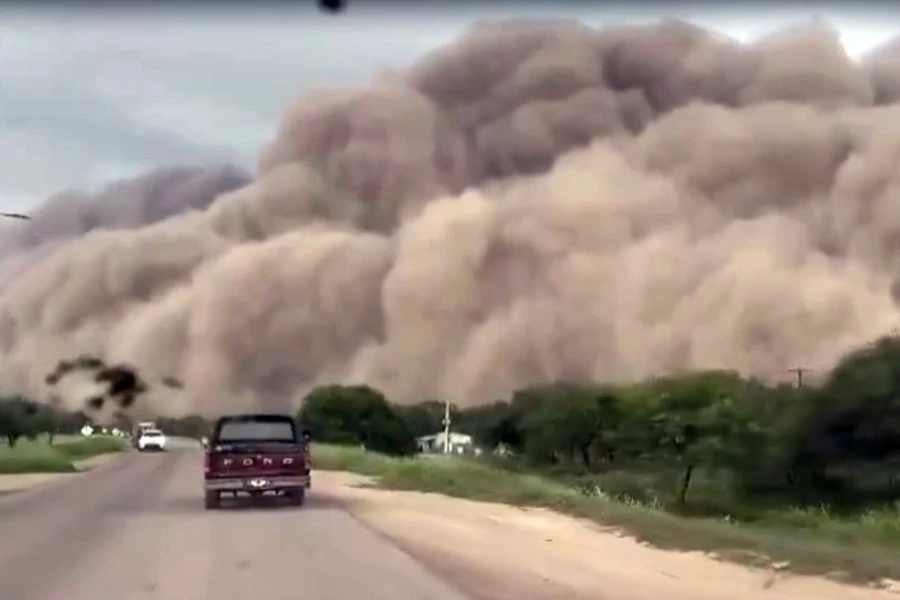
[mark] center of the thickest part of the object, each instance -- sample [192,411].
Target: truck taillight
[207,463]
[307,457]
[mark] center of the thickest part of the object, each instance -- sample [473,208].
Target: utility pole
[799,371]
[446,424]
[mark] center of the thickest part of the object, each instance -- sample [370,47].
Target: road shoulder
[20,482]
[494,551]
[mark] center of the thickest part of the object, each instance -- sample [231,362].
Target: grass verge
[840,550]
[38,456]
[83,448]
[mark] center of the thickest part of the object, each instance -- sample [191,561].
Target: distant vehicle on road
[152,439]
[139,429]
[257,454]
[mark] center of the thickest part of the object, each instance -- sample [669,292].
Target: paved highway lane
[136,529]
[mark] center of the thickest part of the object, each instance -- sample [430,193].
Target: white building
[460,443]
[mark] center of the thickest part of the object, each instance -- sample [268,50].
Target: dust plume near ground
[111,394]
[537,200]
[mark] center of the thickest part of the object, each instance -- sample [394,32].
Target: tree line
[22,418]
[836,443]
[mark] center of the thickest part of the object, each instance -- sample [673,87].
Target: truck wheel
[296,497]
[212,500]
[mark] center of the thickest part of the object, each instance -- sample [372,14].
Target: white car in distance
[152,439]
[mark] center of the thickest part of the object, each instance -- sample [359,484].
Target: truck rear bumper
[260,483]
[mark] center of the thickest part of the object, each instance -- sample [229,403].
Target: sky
[90,95]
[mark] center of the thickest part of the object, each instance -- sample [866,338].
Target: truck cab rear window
[256,431]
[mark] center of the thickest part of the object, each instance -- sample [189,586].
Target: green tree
[574,423]
[47,419]
[845,445]
[696,421]
[17,419]
[425,418]
[356,415]
[490,425]
[509,427]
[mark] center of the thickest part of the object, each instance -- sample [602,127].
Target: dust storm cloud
[537,200]
[124,204]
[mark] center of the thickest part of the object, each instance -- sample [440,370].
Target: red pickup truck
[256,454]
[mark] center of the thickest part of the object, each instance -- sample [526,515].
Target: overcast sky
[88,96]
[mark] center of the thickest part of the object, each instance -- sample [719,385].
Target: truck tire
[212,500]
[296,496]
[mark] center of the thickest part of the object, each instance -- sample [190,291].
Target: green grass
[83,448]
[33,456]
[810,542]
[37,456]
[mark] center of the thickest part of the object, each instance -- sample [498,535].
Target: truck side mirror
[204,441]
[306,434]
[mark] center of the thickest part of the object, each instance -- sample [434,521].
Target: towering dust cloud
[126,204]
[538,200]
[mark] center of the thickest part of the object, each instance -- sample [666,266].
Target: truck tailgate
[250,461]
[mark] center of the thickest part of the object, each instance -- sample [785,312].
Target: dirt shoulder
[495,552]
[24,481]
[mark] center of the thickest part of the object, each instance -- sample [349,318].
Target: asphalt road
[136,529]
